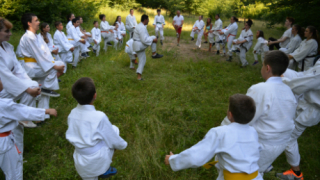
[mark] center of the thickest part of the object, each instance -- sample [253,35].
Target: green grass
[179,101]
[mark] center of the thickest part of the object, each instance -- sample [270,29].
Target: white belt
[91,150]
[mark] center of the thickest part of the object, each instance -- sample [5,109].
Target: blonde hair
[5,23]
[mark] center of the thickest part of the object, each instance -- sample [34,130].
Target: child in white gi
[229,34]
[106,31]
[158,24]
[131,53]
[260,48]
[96,36]
[276,106]
[131,23]
[95,139]
[236,145]
[117,36]
[198,29]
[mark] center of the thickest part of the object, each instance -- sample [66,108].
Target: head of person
[296,29]
[102,17]
[208,21]
[131,12]
[178,12]
[275,64]
[145,19]
[95,24]
[58,25]
[84,91]
[159,11]
[233,19]
[116,25]
[70,17]
[200,17]
[118,19]
[80,19]
[75,22]
[217,16]
[30,22]
[44,28]
[311,33]
[289,22]
[259,34]
[5,30]
[242,109]
[248,24]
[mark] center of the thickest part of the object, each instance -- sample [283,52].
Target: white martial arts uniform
[306,52]
[10,153]
[106,34]
[199,25]
[69,25]
[117,38]
[142,40]
[122,28]
[230,32]
[159,22]
[274,118]
[131,23]
[61,41]
[244,47]
[214,36]
[261,47]
[288,34]
[292,45]
[94,139]
[74,39]
[307,114]
[130,52]
[19,55]
[84,47]
[236,148]
[96,36]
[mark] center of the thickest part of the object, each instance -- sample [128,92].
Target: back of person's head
[83,90]
[144,17]
[299,29]
[69,16]
[57,23]
[314,32]
[242,108]
[27,17]
[277,60]
[5,23]
[235,19]
[290,19]
[249,22]
[101,16]
[75,20]
[261,34]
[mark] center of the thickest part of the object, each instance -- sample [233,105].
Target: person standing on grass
[131,23]
[132,55]
[198,29]
[177,24]
[285,39]
[206,31]
[213,34]
[142,40]
[158,24]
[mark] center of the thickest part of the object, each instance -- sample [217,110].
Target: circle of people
[245,146]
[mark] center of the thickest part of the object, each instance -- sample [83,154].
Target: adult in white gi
[177,24]
[131,23]
[306,52]
[142,40]
[274,100]
[65,47]
[96,36]
[243,43]
[19,55]
[131,53]
[261,47]
[106,31]
[214,33]
[69,19]
[235,145]
[230,33]
[295,40]
[305,83]
[122,27]
[158,24]
[198,29]
[285,38]
[76,41]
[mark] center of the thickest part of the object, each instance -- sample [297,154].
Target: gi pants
[131,30]
[213,38]
[256,55]
[107,37]
[158,30]
[142,56]
[97,48]
[200,34]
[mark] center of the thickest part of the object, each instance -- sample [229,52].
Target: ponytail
[249,22]
[44,34]
[235,19]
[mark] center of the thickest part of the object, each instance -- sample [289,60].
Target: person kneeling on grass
[95,139]
[236,145]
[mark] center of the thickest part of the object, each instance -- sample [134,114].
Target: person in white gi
[122,27]
[106,31]
[261,47]
[177,24]
[117,36]
[242,45]
[198,29]
[275,109]
[96,36]
[76,41]
[11,156]
[65,47]
[131,53]
[95,139]
[142,40]
[228,34]
[87,37]
[214,33]
[131,23]
[306,52]
[19,55]
[307,84]
[285,38]
[235,146]
[158,24]
[295,40]
[69,19]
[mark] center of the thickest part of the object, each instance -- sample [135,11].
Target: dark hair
[235,18]
[277,60]
[83,90]
[94,22]
[313,30]
[75,20]
[44,34]
[115,23]
[242,107]
[300,30]
[158,10]
[57,23]
[249,22]
[144,17]
[218,15]
[291,19]
[27,17]
[117,19]
[79,17]
[5,23]
[131,10]
[261,34]
[208,24]
[201,16]
[101,16]
[69,16]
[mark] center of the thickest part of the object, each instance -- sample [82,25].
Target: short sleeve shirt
[288,34]
[178,20]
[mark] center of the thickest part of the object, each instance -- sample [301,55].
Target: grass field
[181,98]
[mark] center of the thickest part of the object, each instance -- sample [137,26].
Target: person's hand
[51,112]
[282,75]
[238,42]
[162,26]
[1,86]
[82,41]
[134,27]
[111,31]
[166,160]
[290,56]
[154,26]
[59,68]
[155,40]
[95,42]
[270,43]
[221,33]
[211,31]
[55,51]
[34,92]
[254,51]
[71,49]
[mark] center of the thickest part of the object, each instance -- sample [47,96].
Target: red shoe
[289,175]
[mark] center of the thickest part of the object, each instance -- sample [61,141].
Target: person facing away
[91,133]
[235,146]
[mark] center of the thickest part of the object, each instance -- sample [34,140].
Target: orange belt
[105,31]
[5,134]
[230,35]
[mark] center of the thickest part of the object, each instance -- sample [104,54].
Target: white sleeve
[302,52]
[293,45]
[74,34]
[155,20]
[58,38]
[307,81]
[258,44]
[163,21]
[144,38]
[230,29]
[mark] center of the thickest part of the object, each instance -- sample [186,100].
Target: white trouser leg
[132,58]
[292,149]
[84,48]
[11,164]
[97,48]
[211,38]
[192,34]
[48,80]
[292,64]
[76,54]
[142,61]
[217,44]
[44,103]
[66,57]
[255,55]
[262,56]
[156,30]
[242,56]
[230,40]
[268,154]
[90,178]
[115,45]
[154,47]
[200,34]
[161,34]
[18,133]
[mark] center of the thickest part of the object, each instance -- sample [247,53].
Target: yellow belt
[232,176]
[28,59]
[20,58]
[127,45]
[71,39]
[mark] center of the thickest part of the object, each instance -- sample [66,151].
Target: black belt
[302,68]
